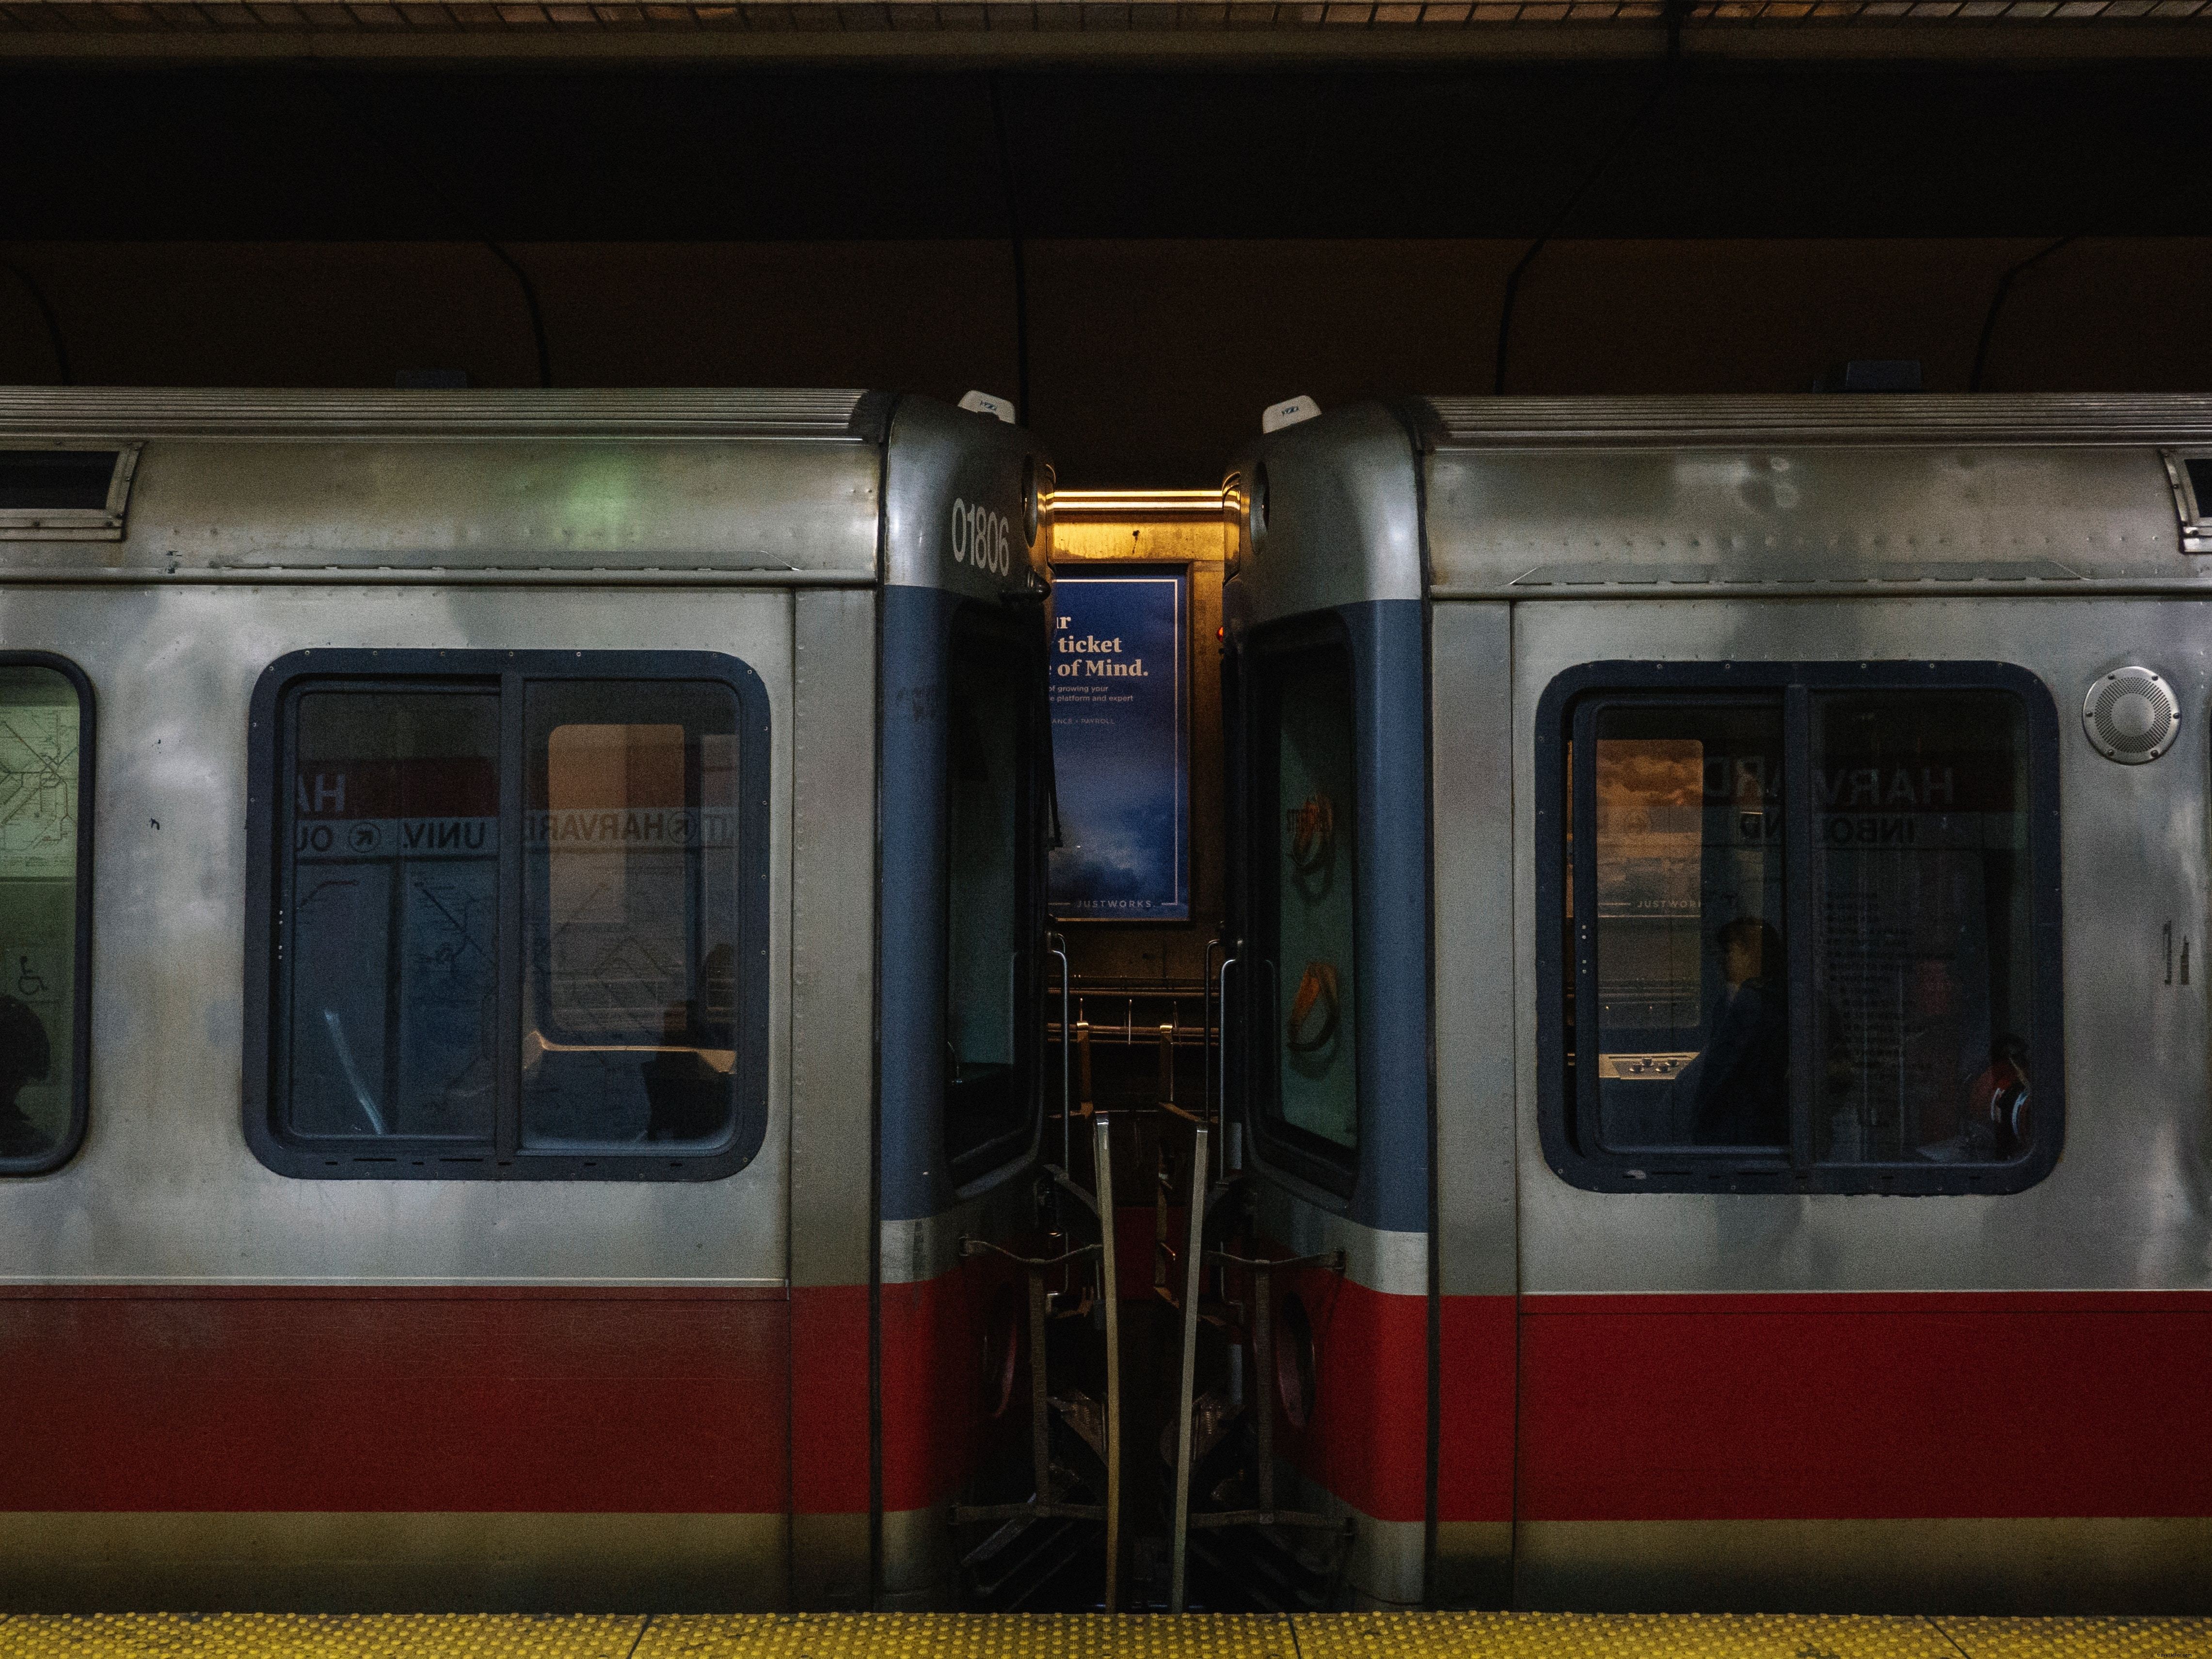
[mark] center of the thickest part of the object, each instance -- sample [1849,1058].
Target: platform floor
[956,1635]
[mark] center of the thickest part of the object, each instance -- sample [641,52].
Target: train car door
[963,774]
[1477,1241]
[1327,1017]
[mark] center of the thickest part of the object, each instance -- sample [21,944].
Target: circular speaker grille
[2131,715]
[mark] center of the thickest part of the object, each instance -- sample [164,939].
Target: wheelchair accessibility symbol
[32,976]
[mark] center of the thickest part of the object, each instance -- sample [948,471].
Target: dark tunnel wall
[1193,244]
[1150,360]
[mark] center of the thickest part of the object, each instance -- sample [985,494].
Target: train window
[1816,949]
[46,894]
[630,901]
[991,891]
[1922,974]
[392,904]
[516,915]
[1691,1027]
[1300,982]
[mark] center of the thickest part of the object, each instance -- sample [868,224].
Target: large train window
[1809,927]
[1300,980]
[515,916]
[993,735]
[46,909]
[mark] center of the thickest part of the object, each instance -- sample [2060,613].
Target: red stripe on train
[1848,1407]
[1474,1414]
[276,1400]
[933,1365]
[1800,1406]
[830,1400]
[1366,1440]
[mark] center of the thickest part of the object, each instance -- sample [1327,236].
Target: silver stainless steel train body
[262,1359]
[1850,1359]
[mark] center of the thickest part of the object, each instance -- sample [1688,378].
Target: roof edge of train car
[772,488]
[1804,495]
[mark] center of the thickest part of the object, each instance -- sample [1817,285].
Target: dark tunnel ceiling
[1727,151]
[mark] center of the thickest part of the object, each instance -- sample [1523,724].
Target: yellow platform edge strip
[1077,1636]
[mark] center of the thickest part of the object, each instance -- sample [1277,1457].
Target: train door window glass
[994,682]
[1692,994]
[1817,943]
[1306,828]
[1921,972]
[630,913]
[516,914]
[392,884]
[45,747]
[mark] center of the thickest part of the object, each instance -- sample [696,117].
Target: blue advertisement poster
[1119,746]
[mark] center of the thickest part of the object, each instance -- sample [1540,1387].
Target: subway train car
[1718,995]
[523,934]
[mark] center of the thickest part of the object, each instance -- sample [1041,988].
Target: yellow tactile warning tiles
[318,1635]
[1617,1636]
[971,1636]
[1068,1636]
[2080,1639]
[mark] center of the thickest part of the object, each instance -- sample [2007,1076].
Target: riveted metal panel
[2129,1205]
[166,1190]
[267,506]
[832,935]
[187,411]
[1578,523]
[1471,785]
[2023,418]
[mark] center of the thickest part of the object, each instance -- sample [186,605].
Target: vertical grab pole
[1213,1032]
[1180,1548]
[1102,1152]
[1221,1033]
[1263,1385]
[1058,944]
[1040,1395]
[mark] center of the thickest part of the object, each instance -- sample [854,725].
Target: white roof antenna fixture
[1289,412]
[982,403]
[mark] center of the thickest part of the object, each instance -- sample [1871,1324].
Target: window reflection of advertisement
[1663,805]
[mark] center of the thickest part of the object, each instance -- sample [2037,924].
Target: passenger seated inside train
[25,1057]
[1738,1086]
[1993,1123]
[687,1087]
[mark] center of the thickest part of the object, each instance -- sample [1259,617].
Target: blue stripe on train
[1389,665]
[917,623]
